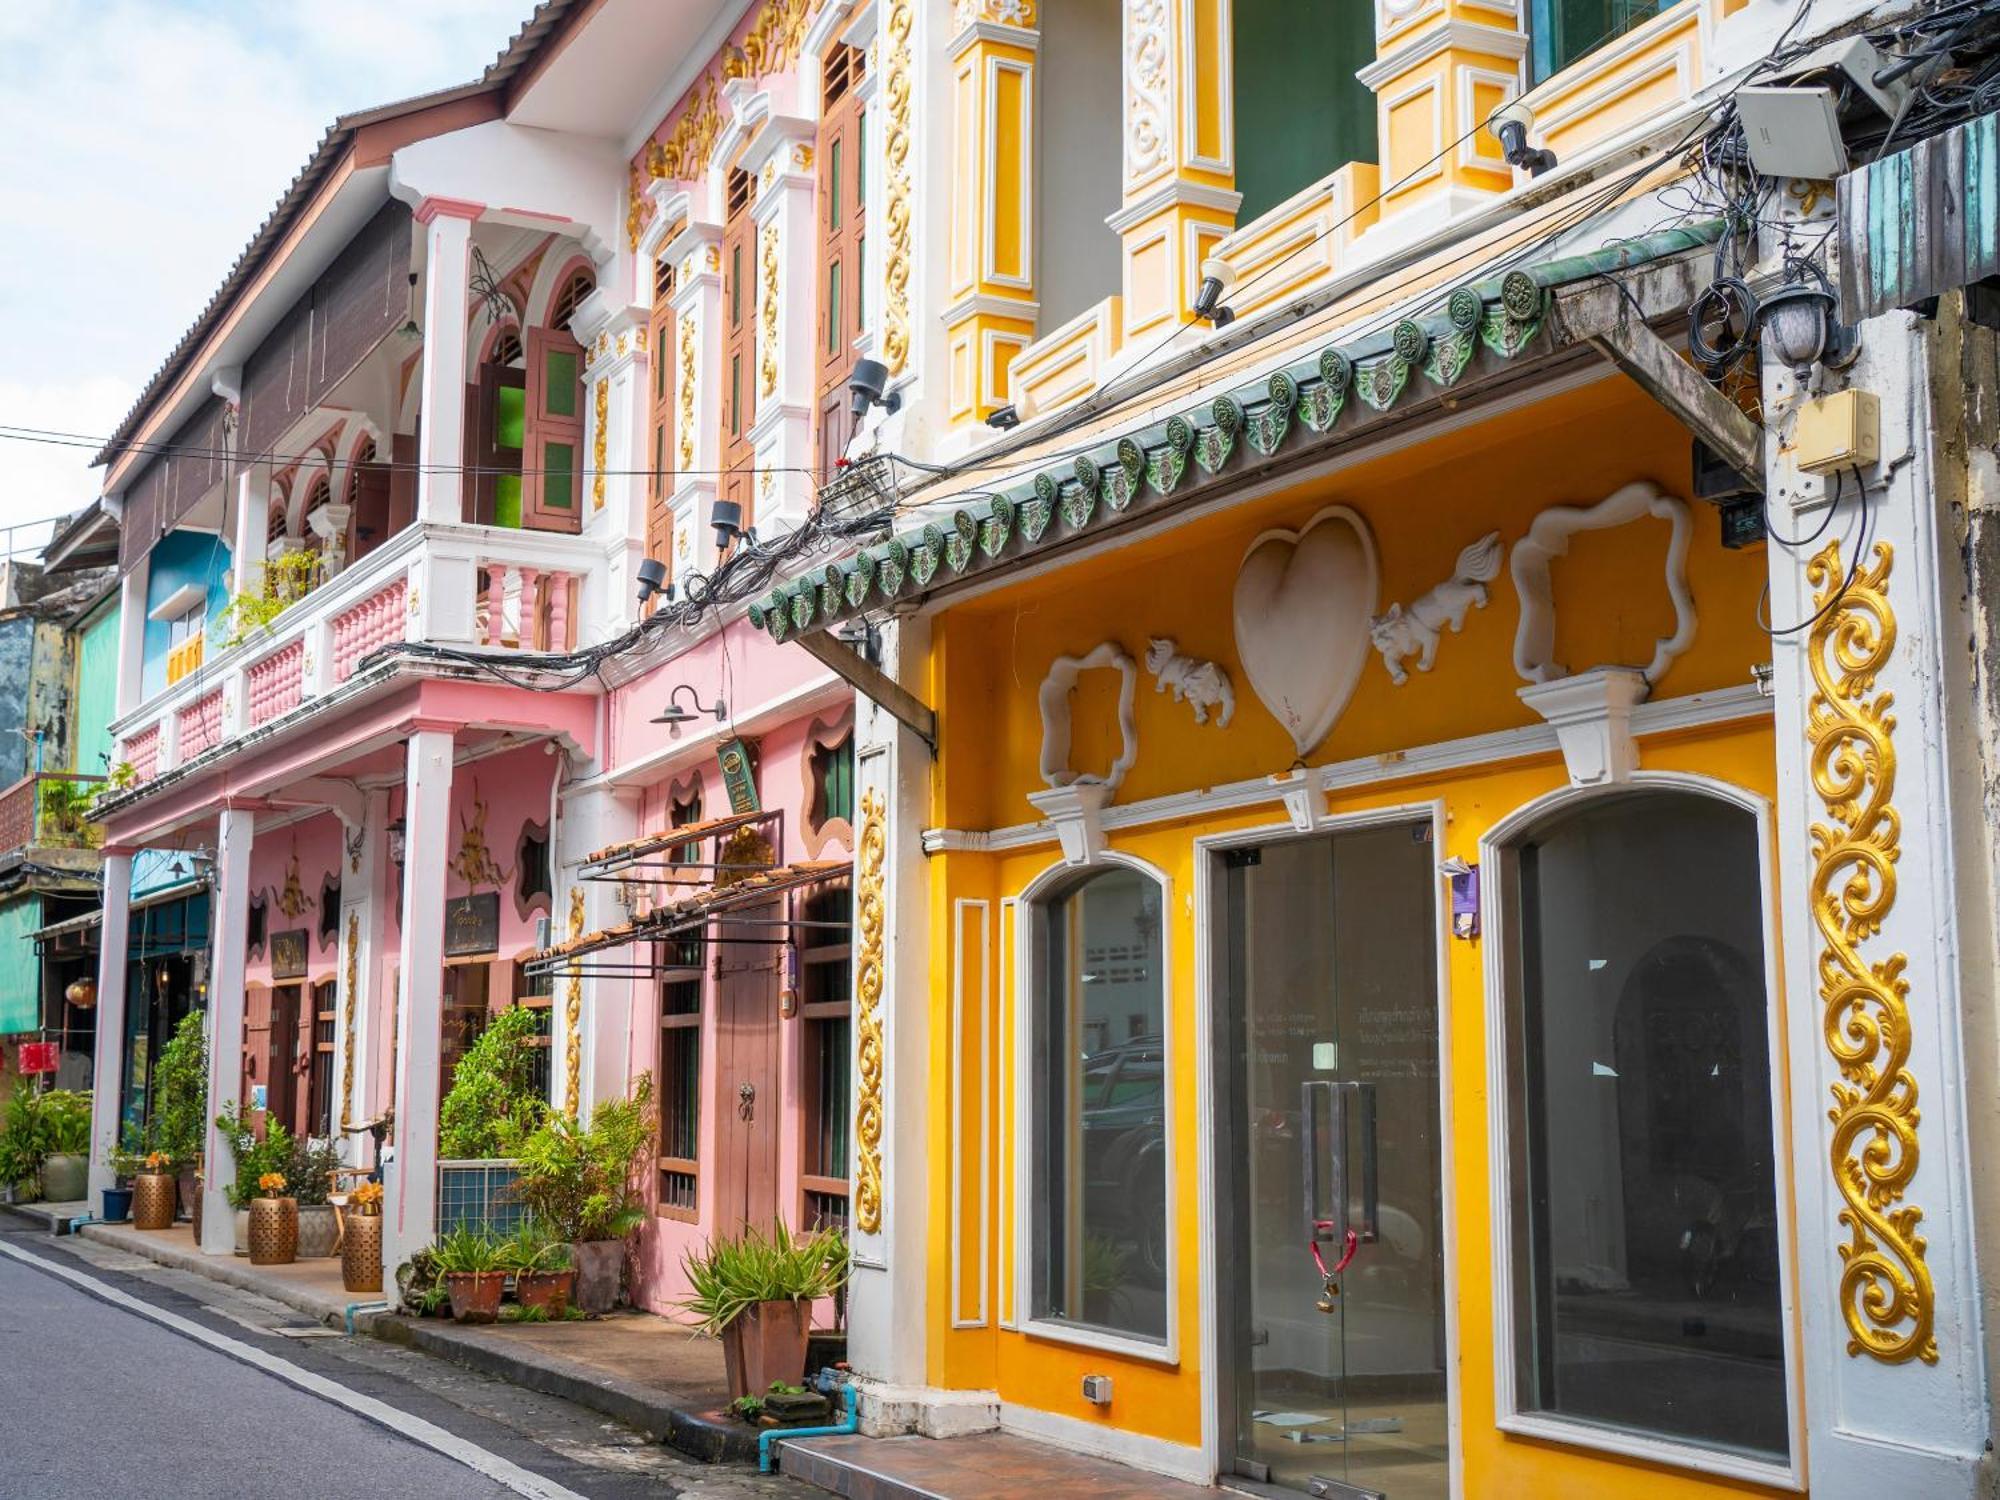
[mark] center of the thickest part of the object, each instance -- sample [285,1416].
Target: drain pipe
[71,1226]
[355,1307]
[848,1425]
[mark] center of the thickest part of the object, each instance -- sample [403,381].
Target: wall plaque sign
[288,954]
[472,924]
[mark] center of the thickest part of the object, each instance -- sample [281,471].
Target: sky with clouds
[148,140]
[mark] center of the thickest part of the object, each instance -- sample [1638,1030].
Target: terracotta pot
[361,1253]
[475,1295]
[319,1231]
[548,1290]
[766,1343]
[274,1231]
[153,1201]
[600,1267]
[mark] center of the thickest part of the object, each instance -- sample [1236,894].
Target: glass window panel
[735,395]
[507,500]
[559,397]
[1647,1242]
[1566,30]
[833,200]
[735,285]
[510,416]
[833,317]
[558,475]
[1100,1105]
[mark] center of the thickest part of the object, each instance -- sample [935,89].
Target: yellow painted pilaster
[1179,151]
[990,315]
[1441,68]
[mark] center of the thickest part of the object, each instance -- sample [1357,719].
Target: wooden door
[749,1112]
[660,454]
[402,480]
[739,341]
[552,454]
[281,1076]
[840,196]
[256,1049]
[368,523]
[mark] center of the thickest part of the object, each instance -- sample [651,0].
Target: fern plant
[582,1181]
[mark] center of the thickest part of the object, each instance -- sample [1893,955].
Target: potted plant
[493,1105]
[582,1182]
[274,1223]
[180,1102]
[469,1261]
[755,1292]
[309,1168]
[66,1166]
[540,1262]
[255,1158]
[153,1190]
[126,1163]
[361,1240]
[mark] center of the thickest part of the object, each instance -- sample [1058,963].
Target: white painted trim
[1170,194]
[657,764]
[1493,923]
[1165,1351]
[1452,36]
[1220,66]
[1388,104]
[1206,848]
[1156,1455]
[1467,79]
[959,910]
[1026,37]
[179,602]
[1023,308]
[1008,1268]
[1661,716]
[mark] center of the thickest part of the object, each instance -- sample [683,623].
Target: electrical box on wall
[1841,431]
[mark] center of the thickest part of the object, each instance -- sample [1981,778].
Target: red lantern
[82,993]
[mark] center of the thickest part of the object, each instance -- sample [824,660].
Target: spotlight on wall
[653,579]
[675,715]
[868,386]
[1799,319]
[1003,419]
[1217,277]
[1510,124]
[726,516]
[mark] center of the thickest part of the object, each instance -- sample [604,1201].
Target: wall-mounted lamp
[1217,277]
[1800,320]
[1510,124]
[653,579]
[675,715]
[868,386]
[726,516]
[409,332]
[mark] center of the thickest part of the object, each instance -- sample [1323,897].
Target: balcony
[483,588]
[49,812]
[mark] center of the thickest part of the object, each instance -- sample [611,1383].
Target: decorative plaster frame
[823,734]
[1549,537]
[1054,699]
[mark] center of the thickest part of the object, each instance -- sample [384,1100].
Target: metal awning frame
[614,863]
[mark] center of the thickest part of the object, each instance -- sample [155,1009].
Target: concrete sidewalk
[651,1374]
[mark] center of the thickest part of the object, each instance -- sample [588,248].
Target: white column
[788,286]
[229,917]
[592,820]
[420,1006]
[615,424]
[108,1071]
[440,442]
[253,509]
[885,1341]
[1881,906]
[359,943]
[696,377]
[132,635]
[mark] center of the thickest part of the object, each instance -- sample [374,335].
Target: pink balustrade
[142,752]
[376,621]
[277,683]
[201,725]
[530,609]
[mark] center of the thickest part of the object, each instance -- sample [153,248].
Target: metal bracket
[874,684]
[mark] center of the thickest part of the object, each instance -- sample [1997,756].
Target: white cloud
[149,141]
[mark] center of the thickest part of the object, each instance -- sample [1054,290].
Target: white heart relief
[1303,602]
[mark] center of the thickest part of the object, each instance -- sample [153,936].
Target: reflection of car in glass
[1124,1148]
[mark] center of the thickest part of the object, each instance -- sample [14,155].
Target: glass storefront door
[1327,1089]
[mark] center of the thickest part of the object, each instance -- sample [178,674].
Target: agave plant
[733,1275]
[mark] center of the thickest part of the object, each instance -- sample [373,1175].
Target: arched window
[1642,1194]
[318,498]
[274,523]
[507,352]
[1097,1150]
[581,284]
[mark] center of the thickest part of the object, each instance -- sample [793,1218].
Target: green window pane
[833,203]
[559,399]
[659,370]
[833,323]
[735,286]
[510,417]
[507,500]
[558,476]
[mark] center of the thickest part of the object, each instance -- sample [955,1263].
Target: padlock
[1329,1300]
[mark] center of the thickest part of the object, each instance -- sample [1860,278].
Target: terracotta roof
[517,55]
[667,921]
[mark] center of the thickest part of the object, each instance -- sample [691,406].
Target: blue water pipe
[848,1425]
[355,1307]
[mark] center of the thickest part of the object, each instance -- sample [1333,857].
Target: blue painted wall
[178,559]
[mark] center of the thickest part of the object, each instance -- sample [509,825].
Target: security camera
[865,388]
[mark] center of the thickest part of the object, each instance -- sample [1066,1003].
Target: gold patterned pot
[361,1252]
[274,1231]
[153,1200]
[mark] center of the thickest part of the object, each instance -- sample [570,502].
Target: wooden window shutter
[552,458]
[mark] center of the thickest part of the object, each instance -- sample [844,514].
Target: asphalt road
[100,1400]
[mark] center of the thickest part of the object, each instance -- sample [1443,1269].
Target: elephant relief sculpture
[1200,683]
[1402,633]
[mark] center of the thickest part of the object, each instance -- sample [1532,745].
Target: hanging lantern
[82,993]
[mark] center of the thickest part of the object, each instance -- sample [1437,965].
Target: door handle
[1324,1133]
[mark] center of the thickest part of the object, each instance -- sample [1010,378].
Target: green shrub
[67,1112]
[582,1181]
[180,1091]
[493,1107]
[254,1157]
[309,1169]
[732,1275]
[23,1136]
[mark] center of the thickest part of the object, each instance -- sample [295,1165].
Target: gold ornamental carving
[868,997]
[767,372]
[687,391]
[602,411]
[685,151]
[573,1015]
[347,996]
[896,153]
[1886,1294]
[997,12]
[773,41]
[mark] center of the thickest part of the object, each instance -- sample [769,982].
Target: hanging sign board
[472,924]
[739,775]
[40,1057]
[288,954]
